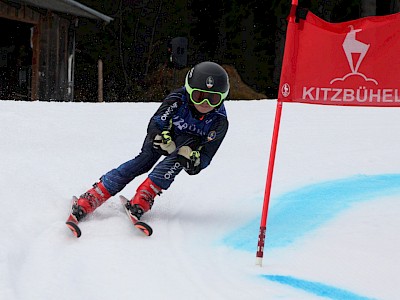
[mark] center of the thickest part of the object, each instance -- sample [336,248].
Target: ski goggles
[213,99]
[198,96]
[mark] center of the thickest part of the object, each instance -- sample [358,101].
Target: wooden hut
[37,48]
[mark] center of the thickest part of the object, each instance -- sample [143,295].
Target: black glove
[163,143]
[189,160]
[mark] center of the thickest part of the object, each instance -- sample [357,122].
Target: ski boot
[90,200]
[143,199]
[140,203]
[86,204]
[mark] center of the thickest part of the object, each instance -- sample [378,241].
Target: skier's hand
[163,143]
[189,160]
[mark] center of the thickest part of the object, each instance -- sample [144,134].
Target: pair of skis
[72,222]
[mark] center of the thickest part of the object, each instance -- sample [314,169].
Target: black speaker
[178,49]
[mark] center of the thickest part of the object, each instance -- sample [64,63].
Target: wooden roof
[69,7]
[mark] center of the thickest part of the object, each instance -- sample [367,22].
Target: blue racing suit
[203,132]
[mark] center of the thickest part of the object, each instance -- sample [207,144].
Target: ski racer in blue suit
[186,132]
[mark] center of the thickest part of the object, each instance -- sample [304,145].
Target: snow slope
[332,230]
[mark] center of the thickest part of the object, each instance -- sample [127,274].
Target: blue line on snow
[298,212]
[316,288]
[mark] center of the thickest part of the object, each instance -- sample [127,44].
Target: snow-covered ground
[333,226]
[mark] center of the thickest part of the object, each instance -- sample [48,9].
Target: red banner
[353,63]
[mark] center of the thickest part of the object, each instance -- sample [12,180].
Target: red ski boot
[144,198]
[86,204]
[91,200]
[140,203]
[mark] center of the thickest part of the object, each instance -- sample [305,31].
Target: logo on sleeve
[211,136]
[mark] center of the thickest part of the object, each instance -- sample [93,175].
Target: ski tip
[74,228]
[145,228]
[123,199]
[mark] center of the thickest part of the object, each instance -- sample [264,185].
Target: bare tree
[151,44]
[368,8]
[325,9]
[120,44]
[394,6]
[280,35]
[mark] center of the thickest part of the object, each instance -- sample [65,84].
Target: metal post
[100,80]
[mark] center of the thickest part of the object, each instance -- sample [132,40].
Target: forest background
[246,36]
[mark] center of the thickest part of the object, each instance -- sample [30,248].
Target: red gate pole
[274,142]
[267,193]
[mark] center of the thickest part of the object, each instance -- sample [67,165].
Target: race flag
[351,63]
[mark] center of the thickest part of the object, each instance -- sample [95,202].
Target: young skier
[186,130]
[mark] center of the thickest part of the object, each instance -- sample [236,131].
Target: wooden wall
[51,42]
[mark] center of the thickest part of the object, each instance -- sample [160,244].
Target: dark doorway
[15,59]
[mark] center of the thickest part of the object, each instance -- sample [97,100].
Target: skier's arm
[208,150]
[161,120]
[192,160]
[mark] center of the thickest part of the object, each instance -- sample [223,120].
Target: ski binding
[142,226]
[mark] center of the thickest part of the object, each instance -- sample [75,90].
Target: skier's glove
[189,160]
[163,143]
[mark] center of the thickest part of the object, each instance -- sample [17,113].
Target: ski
[142,226]
[72,222]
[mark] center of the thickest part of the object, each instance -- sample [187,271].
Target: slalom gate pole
[267,193]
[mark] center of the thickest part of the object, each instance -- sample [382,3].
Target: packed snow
[332,229]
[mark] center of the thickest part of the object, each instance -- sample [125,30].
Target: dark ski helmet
[207,81]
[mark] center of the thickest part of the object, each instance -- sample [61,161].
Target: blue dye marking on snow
[316,288]
[300,211]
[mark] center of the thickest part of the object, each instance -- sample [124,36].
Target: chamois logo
[355,51]
[210,82]
[285,90]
